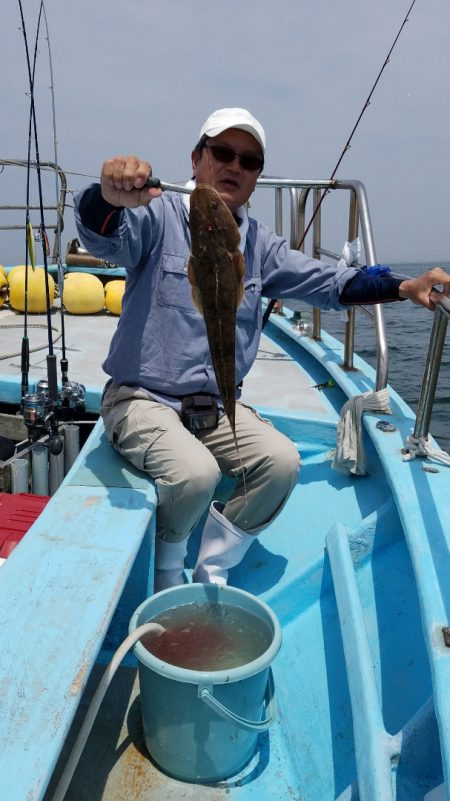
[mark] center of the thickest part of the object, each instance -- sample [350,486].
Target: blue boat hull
[353,567]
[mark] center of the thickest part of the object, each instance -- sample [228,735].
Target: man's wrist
[98,214]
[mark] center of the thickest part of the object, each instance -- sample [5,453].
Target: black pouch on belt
[199,413]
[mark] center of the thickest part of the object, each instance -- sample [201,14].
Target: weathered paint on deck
[310,753]
[59,590]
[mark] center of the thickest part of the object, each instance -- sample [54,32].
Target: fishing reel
[41,413]
[72,395]
[40,419]
[72,398]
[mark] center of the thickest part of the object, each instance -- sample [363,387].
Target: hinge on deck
[446,634]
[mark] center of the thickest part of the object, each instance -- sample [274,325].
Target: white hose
[94,706]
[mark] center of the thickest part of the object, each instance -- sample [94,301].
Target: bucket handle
[248,725]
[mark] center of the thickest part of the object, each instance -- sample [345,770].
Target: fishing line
[345,148]
[64,364]
[43,167]
[55,140]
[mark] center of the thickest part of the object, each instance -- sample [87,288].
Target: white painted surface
[438,794]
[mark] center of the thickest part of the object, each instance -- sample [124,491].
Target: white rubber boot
[169,563]
[223,546]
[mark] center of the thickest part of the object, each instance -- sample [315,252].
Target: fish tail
[197,299]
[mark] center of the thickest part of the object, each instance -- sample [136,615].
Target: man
[159,353]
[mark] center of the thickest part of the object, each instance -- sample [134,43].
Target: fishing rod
[29,251]
[346,147]
[39,412]
[51,360]
[64,364]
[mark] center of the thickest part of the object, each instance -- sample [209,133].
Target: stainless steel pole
[429,381]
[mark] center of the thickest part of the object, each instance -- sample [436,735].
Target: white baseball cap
[225,118]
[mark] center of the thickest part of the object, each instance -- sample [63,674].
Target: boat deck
[309,753]
[87,342]
[115,763]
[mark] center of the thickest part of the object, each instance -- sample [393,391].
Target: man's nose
[235,164]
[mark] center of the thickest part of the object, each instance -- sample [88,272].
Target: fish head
[210,218]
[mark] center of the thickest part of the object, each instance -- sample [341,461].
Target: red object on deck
[17,513]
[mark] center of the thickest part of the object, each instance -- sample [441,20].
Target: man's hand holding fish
[122,182]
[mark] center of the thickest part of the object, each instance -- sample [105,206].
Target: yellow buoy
[113,296]
[37,302]
[83,294]
[3,287]
[18,269]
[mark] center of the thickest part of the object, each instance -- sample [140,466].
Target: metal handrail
[359,218]
[59,208]
[430,377]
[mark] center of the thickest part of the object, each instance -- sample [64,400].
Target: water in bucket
[202,725]
[208,636]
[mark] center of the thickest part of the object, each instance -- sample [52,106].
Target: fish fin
[239,263]
[197,299]
[239,266]
[196,296]
[239,294]
[191,271]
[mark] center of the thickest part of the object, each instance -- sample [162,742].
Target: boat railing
[58,206]
[359,223]
[432,367]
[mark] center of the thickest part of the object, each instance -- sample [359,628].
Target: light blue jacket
[160,343]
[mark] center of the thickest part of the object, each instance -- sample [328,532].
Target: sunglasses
[226,155]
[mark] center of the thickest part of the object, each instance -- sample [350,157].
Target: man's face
[233,182]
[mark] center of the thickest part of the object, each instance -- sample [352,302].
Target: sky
[141,76]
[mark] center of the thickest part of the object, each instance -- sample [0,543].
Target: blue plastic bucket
[203,726]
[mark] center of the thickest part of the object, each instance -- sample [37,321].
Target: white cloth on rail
[351,253]
[350,456]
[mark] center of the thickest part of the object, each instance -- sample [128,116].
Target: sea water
[408,330]
[209,636]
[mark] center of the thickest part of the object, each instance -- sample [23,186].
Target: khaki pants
[187,469]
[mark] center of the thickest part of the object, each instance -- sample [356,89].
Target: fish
[216,271]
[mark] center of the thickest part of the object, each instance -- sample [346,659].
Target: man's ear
[195,157]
